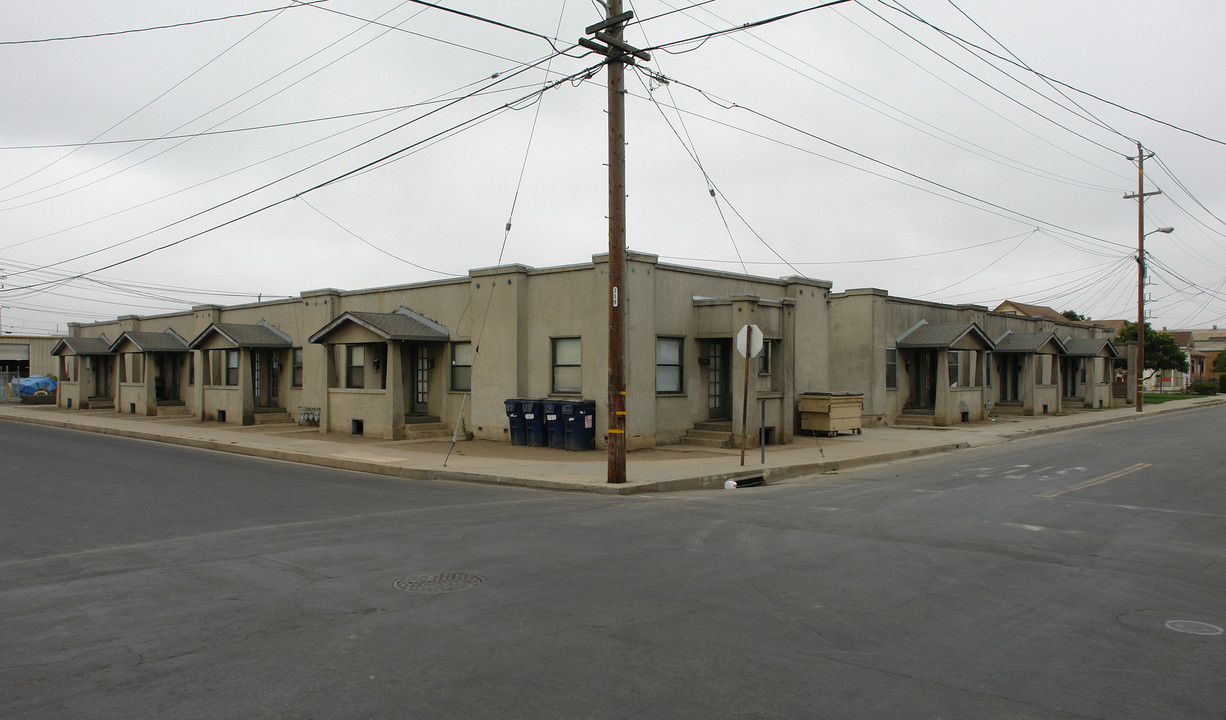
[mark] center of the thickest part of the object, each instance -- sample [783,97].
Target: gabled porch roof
[941,335]
[404,324]
[1029,343]
[1091,347]
[146,342]
[82,346]
[263,335]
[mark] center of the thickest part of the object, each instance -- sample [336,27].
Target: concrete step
[412,432]
[906,420]
[1007,409]
[706,442]
[273,418]
[714,426]
[173,411]
[710,434]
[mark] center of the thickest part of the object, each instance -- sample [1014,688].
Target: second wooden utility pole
[1140,195]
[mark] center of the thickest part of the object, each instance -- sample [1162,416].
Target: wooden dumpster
[831,412]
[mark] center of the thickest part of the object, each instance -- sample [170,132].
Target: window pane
[668,378]
[567,351]
[461,377]
[668,351]
[568,379]
[357,355]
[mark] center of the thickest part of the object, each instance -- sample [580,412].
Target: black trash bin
[555,424]
[519,433]
[534,423]
[580,425]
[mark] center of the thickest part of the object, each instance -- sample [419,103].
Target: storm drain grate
[439,582]
[1193,627]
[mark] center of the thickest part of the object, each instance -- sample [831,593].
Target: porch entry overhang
[939,385]
[154,379]
[1030,344]
[401,325]
[82,346]
[944,336]
[149,342]
[1091,347]
[238,335]
[387,376]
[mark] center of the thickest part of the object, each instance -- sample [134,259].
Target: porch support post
[325,422]
[394,388]
[940,409]
[246,385]
[1058,368]
[201,375]
[1030,372]
[149,378]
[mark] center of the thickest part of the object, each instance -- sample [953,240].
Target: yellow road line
[1100,480]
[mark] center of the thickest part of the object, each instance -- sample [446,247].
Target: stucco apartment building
[397,362]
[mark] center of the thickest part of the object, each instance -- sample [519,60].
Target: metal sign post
[748,344]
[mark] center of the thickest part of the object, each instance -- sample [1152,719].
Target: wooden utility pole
[609,32]
[1140,195]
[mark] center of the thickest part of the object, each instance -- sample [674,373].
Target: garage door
[14,352]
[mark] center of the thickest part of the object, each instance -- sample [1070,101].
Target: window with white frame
[232,367]
[891,368]
[296,372]
[766,357]
[669,354]
[567,365]
[462,366]
[355,366]
[954,369]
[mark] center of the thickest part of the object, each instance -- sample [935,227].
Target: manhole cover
[439,582]
[1193,627]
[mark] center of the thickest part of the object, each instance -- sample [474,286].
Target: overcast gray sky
[852,143]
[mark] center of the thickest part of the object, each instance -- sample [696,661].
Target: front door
[924,380]
[420,401]
[719,389]
[102,376]
[265,378]
[166,384]
[1010,377]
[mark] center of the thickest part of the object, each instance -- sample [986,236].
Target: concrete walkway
[662,469]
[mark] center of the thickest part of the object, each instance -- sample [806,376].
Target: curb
[769,475]
[1023,434]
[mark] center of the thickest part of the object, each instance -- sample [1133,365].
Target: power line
[252,128]
[1060,82]
[135,112]
[728,105]
[333,220]
[297,3]
[852,262]
[759,23]
[958,142]
[1088,115]
[988,85]
[379,161]
[254,164]
[205,114]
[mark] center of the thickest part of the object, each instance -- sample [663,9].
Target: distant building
[1037,312]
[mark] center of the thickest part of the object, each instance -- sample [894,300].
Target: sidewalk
[662,469]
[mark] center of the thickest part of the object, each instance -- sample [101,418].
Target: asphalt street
[1075,575]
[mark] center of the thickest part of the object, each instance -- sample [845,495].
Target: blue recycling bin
[555,424]
[534,423]
[580,425]
[519,432]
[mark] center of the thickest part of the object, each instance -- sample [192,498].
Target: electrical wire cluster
[303,165]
